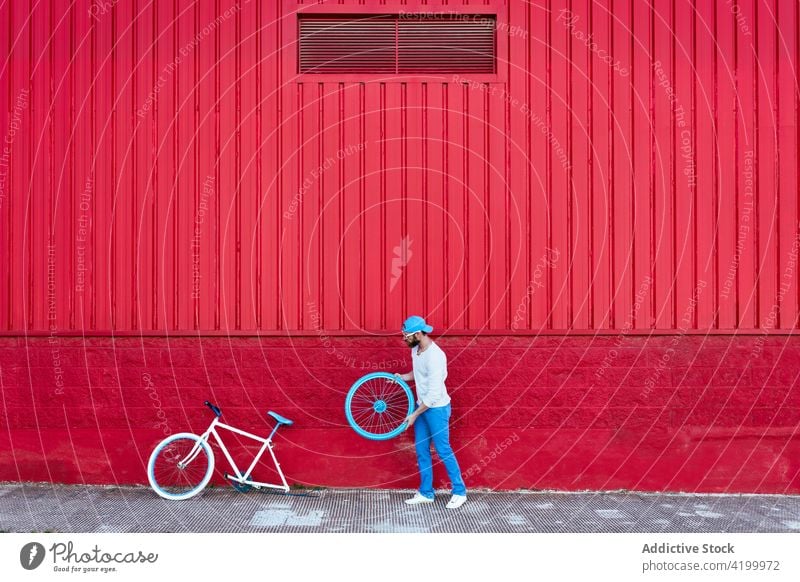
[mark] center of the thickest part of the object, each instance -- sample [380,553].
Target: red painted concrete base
[667,413]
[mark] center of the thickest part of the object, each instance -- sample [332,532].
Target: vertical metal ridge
[694,207]
[134,285]
[195,315]
[154,321]
[320,245]
[320,96]
[507,273]
[466,188]
[570,226]
[362,194]
[403,176]
[614,285]
[49,157]
[28,291]
[777,170]
[446,197]
[425,209]
[71,170]
[10,181]
[175,182]
[218,172]
[487,223]
[238,165]
[632,177]
[340,193]
[93,138]
[756,180]
[300,104]
[114,189]
[592,278]
[715,190]
[673,293]
[652,128]
[737,274]
[549,159]
[383,204]
[259,206]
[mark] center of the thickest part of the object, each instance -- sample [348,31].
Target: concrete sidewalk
[72,508]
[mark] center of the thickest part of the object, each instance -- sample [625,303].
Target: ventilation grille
[450,46]
[390,44]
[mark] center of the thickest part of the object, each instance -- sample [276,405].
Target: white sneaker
[456,501]
[418,498]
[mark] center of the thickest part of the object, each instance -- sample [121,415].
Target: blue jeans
[433,425]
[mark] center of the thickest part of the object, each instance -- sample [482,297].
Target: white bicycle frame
[239,477]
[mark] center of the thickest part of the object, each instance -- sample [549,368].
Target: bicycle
[377,406]
[181,465]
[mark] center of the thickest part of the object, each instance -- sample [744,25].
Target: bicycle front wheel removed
[180,466]
[377,406]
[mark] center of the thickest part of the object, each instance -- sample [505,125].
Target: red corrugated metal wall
[167,169]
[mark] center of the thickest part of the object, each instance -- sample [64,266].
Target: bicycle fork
[193,453]
[197,446]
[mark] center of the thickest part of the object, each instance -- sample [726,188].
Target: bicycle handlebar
[213,408]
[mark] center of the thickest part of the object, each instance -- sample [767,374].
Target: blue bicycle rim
[388,407]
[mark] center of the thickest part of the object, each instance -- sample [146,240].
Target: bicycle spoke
[395,411]
[394,415]
[378,406]
[362,398]
[359,408]
[375,416]
[374,392]
[381,423]
[382,388]
[363,415]
[396,397]
[390,387]
[391,421]
[170,477]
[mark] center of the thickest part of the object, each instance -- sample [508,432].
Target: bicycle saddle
[280,419]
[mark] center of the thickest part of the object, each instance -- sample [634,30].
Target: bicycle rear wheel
[377,406]
[180,466]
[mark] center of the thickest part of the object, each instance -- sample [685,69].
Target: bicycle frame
[239,477]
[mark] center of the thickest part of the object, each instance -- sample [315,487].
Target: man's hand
[411,418]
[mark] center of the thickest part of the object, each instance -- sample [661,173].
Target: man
[431,417]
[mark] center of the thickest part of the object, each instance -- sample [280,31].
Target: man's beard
[414,343]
